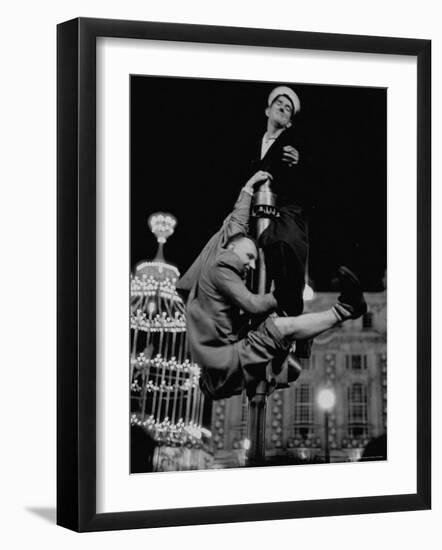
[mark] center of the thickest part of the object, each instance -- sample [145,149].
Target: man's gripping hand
[290,155]
[259,177]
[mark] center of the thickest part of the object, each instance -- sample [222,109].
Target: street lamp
[326,400]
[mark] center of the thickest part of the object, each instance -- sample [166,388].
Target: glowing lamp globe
[326,399]
[162,225]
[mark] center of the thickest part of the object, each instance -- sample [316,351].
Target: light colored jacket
[217,294]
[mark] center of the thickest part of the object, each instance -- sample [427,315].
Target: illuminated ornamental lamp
[326,399]
[165,395]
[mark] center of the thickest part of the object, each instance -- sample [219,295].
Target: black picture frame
[76,274]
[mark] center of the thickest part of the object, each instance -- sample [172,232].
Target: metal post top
[264,197]
[264,202]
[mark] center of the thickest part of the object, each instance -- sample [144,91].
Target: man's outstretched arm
[238,220]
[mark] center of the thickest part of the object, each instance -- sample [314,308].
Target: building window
[356,362]
[367,320]
[303,411]
[357,411]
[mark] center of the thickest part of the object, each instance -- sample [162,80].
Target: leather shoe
[351,303]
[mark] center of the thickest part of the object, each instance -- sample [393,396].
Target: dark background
[190,139]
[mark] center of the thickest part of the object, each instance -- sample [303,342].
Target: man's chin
[280,124]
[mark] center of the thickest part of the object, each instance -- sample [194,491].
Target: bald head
[245,248]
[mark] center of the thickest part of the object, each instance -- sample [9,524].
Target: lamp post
[326,400]
[263,210]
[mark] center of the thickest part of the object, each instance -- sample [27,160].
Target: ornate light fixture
[165,395]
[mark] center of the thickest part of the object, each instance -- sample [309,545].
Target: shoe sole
[348,273]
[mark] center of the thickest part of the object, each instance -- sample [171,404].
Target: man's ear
[267,111]
[288,124]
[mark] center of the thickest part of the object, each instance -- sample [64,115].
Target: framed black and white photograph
[330,210]
[243,255]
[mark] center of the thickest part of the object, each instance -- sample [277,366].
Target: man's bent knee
[287,326]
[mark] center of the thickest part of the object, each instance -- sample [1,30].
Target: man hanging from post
[231,354]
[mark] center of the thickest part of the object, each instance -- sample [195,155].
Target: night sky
[190,148]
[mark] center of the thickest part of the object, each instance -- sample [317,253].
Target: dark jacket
[290,183]
[285,241]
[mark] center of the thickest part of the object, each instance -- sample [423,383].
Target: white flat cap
[284,90]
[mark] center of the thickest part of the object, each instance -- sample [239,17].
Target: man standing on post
[233,356]
[285,241]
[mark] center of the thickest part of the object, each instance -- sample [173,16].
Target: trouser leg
[307,325]
[287,271]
